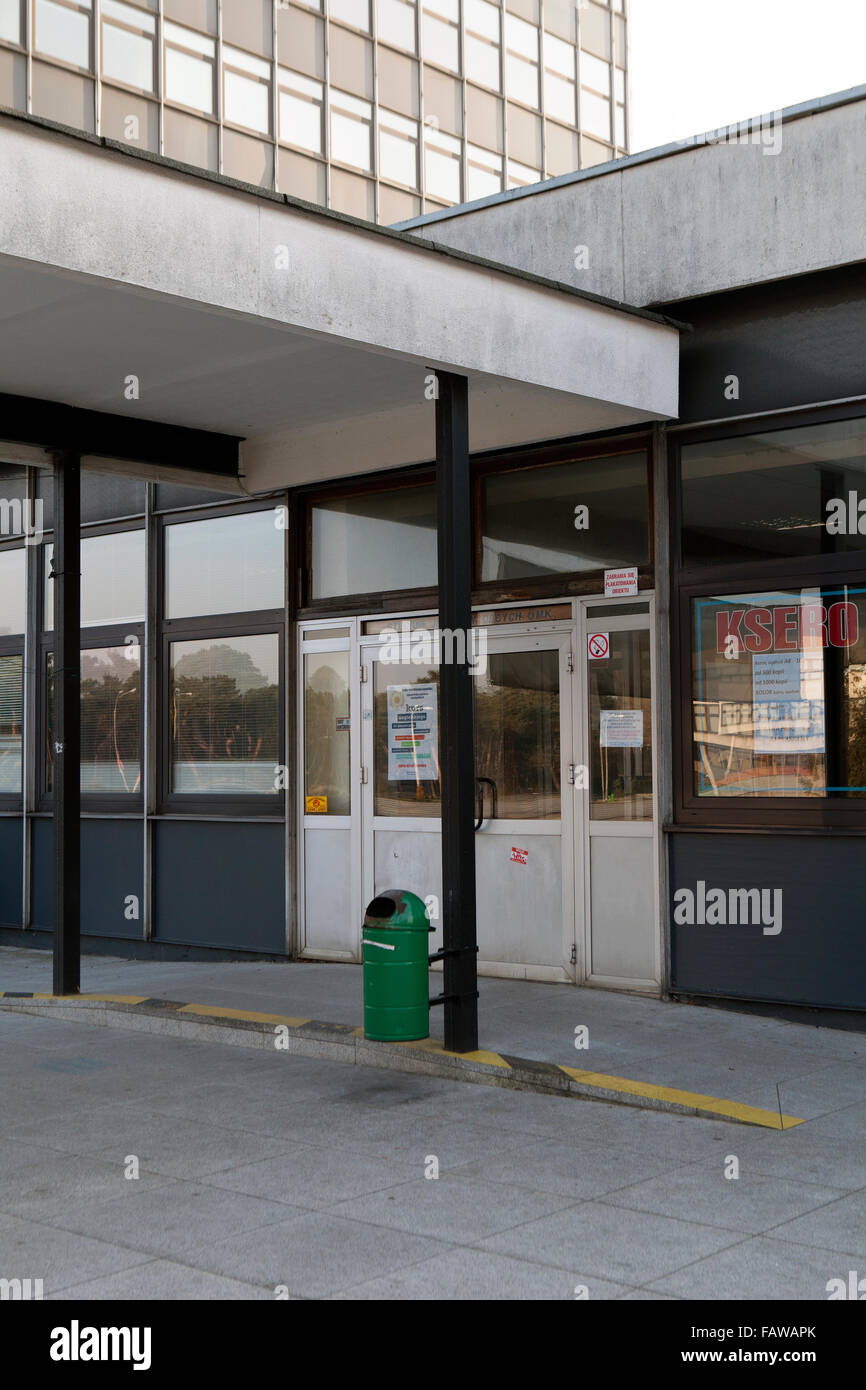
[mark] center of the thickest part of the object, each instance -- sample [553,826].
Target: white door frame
[611,621]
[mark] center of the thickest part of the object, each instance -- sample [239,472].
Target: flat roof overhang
[306,334]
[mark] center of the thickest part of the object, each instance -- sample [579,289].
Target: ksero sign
[790,628]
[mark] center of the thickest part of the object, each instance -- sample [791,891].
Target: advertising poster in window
[413,733]
[788,702]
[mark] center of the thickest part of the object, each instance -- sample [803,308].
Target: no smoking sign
[598,646]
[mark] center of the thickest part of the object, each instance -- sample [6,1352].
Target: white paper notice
[788,702]
[413,726]
[621,728]
[620,583]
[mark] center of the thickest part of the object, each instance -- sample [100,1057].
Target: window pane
[442,174]
[327,732]
[228,564]
[127,57]
[440,43]
[350,140]
[787,493]
[63,33]
[10,20]
[112,579]
[559,56]
[517,734]
[559,98]
[189,80]
[481,182]
[110,720]
[13,568]
[595,114]
[406,739]
[521,80]
[224,715]
[594,73]
[620,729]
[567,517]
[247,102]
[398,158]
[11,720]
[354,12]
[16,515]
[482,18]
[382,540]
[780,693]
[397,24]
[482,62]
[301,122]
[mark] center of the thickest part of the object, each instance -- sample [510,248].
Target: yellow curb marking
[491,1059]
[750,1114]
[206,1011]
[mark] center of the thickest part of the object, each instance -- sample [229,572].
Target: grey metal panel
[111,873]
[819,956]
[11,869]
[790,344]
[220,884]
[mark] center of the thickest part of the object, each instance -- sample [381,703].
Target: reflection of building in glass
[379,108]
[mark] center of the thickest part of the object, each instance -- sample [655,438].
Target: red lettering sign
[788,628]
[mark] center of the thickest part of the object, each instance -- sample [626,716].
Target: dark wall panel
[791,343]
[112,859]
[818,958]
[11,869]
[220,885]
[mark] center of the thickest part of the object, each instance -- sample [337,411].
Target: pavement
[781,1072]
[144,1165]
[141,1167]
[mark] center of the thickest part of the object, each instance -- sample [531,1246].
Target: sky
[697,65]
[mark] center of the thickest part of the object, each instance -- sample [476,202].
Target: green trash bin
[396,988]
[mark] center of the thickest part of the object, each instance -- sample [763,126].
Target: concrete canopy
[309,335]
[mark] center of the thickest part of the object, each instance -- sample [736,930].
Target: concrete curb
[341,1042]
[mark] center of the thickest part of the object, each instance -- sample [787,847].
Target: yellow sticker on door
[316,805]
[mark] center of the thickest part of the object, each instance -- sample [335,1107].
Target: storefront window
[110,720]
[763,496]
[12,589]
[112,579]
[226,564]
[779,694]
[583,515]
[517,735]
[327,734]
[11,723]
[620,725]
[374,541]
[224,715]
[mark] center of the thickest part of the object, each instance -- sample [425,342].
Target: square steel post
[65,723]
[456,732]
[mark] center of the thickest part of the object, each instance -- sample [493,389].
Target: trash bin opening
[382,907]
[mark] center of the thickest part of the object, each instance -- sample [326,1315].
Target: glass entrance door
[524,830]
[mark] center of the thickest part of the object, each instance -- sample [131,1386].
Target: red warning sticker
[519,856]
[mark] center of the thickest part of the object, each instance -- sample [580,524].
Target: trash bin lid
[397,907]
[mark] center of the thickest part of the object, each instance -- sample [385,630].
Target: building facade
[668,552]
[377,108]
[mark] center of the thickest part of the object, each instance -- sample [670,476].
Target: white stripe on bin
[380,944]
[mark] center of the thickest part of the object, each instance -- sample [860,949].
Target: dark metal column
[65,723]
[456,733]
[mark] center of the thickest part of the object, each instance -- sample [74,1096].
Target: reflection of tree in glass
[855,708]
[517,740]
[222,708]
[327,747]
[11,711]
[110,719]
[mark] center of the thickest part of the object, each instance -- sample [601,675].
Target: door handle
[479,783]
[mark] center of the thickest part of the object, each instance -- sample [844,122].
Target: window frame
[168,42]
[228,66]
[153,91]
[41,57]
[249,623]
[14,644]
[760,814]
